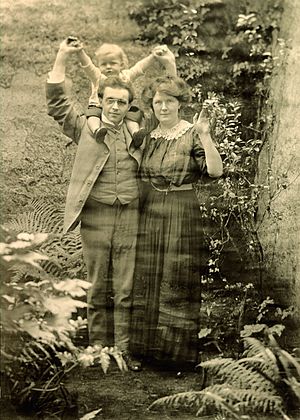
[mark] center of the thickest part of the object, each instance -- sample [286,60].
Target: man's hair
[173,86]
[115,82]
[109,49]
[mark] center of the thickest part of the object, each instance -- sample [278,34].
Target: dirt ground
[127,396]
[119,395]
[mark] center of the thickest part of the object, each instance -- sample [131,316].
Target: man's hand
[70,45]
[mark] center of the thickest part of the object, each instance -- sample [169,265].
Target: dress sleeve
[198,152]
[63,111]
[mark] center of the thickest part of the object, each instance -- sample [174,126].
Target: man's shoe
[132,364]
[100,134]
[138,137]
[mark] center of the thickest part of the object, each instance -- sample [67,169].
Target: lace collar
[173,133]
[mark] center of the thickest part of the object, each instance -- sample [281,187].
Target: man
[103,195]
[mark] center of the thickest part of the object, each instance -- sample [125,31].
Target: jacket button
[106,152]
[97,167]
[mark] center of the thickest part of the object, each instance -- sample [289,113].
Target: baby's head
[111,59]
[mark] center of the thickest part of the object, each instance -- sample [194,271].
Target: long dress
[171,254]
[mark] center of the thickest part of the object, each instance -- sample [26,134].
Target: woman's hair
[173,86]
[115,82]
[109,49]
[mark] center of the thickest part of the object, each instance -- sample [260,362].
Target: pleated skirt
[171,258]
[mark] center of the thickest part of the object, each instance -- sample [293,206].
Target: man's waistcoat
[118,178]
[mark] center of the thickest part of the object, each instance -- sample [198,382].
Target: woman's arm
[212,157]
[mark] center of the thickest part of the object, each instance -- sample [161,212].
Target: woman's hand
[201,122]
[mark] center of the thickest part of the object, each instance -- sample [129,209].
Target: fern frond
[223,398]
[253,347]
[257,401]
[238,374]
[38,217]
[264,366]
[183,399]
[291,360]
[64,252]
[219,403]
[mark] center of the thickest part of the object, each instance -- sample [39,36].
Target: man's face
[115,104]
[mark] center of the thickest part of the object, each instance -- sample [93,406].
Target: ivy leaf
[252,329]
[62,305]
[90,415]
[34,329]
[204,332]
[74,287]
[28,258]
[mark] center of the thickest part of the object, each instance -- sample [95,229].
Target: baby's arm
[92,72]
[159,53]
[140,67]
[166,58]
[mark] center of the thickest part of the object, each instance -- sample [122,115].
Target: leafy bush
[35,323]
[39,301]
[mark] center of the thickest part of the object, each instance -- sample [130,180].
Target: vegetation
[266,380]
[227,54]
[39,297]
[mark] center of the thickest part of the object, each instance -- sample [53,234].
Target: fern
[64,251]
[262,382]
[39,217]
[238,373]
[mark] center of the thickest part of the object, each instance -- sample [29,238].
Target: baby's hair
[174,86]
[108,49]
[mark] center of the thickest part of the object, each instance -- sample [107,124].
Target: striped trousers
[109,234]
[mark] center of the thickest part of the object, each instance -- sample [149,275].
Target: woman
[170,250]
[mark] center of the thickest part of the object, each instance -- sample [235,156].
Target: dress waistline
[172,188]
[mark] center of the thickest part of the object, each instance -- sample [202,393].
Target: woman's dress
[171,253]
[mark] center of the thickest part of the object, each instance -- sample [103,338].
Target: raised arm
[59,105]
[162,54]
[212,157]
[92,71]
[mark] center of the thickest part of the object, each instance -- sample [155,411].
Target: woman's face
[166,109]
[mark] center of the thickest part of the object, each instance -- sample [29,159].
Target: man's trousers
[109,234]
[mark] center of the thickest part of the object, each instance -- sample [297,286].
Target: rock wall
[279,163]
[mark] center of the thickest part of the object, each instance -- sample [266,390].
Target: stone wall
[279,164]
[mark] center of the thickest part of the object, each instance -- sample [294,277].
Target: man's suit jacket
[90,156]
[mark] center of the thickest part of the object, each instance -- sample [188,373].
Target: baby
[112,61]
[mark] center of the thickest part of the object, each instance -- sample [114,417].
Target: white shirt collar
[106,121]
